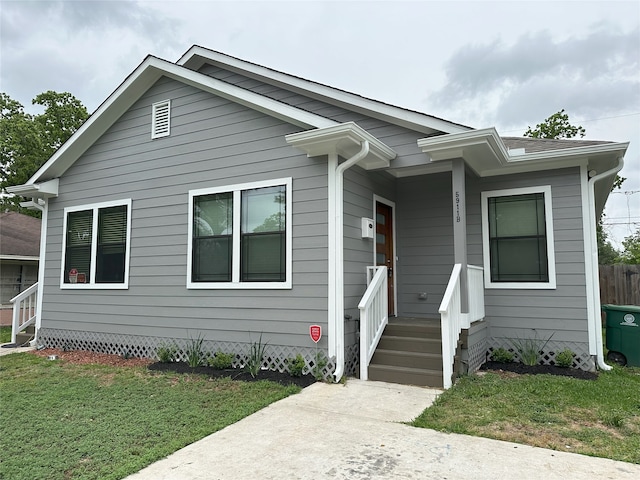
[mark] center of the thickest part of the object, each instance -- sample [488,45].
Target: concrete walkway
[352,432]
[7,351]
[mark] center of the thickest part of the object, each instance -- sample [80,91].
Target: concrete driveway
[352,431]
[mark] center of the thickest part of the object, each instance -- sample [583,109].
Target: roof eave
[197,56]
[345,140]
[136,84]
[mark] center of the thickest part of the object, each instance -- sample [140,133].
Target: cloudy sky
[504,64]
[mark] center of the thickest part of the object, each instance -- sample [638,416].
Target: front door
[384,247]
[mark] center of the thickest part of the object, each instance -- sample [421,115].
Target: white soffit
[485,153]
[345,140]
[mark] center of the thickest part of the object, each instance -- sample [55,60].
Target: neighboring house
[221,199]
[19,255]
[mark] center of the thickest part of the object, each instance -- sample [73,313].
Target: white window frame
[156,109]
[92,285]
[235,282]
[551,258]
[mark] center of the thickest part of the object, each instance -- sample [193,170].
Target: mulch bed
[235,374]
[521,368]
[82,357]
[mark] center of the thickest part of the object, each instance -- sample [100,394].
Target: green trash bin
[623,334]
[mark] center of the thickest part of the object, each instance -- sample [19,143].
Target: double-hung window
[240,236]
[96,245]
[517,228]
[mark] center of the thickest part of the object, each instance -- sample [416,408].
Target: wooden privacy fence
[620,284]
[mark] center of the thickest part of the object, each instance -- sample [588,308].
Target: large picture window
[240,236]
[96,245]
[518,238]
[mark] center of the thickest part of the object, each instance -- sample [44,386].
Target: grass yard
[67,421]
[599,417]
[5,334]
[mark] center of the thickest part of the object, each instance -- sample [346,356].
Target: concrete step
[406,376]
[409,344]
[429,361]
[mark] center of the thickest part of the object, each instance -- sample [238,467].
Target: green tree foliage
[631,253]
[607,254]
[556,126]
[27,141]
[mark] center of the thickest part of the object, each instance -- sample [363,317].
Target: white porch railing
[373,316]
[24,310]
[452,319]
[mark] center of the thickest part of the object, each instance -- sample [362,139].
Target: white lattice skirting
[581,357]
[275,358]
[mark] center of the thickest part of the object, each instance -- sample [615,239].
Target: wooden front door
[384,247]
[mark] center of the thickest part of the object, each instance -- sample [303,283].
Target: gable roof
[198,56]
[133,87]
[19,236]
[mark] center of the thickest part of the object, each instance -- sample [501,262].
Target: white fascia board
[247,98]
[566,153]
[196,56]
[136,84]
[344,139]
[446,147]
[46,189]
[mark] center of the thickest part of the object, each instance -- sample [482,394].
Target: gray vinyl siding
[514,313]
[424,242]
[213,142]
[360,187]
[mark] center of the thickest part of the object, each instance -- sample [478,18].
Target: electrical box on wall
[367,228]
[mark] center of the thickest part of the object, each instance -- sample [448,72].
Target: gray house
[217,198]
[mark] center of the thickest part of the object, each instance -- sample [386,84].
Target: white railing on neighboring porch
[374,315]
[24,310]
[452,320]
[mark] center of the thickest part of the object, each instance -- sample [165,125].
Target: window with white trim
[517,230]
[161,119]
[96,245]
[240,236]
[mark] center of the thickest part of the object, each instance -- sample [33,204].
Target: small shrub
[167,353]
[254,359]
[564,359]
[221,361]
[529,349]
[193,352]
[319,363]
[296,365]
[502,355]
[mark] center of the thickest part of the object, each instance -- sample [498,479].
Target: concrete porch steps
[409,352]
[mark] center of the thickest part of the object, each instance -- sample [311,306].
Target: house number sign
[457,207]
[315,332]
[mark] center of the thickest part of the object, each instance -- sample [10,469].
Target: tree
[631,253]
[27,141]
[607,254]
[556,126]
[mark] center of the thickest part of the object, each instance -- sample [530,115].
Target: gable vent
[161,119]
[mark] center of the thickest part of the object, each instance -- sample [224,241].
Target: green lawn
[599,418]
[64,421]
[5,334]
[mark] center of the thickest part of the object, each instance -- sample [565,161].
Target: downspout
[595,275]
[43,250]
[338,265]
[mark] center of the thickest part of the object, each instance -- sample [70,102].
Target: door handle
[390,271]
